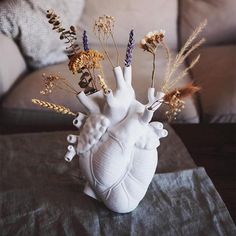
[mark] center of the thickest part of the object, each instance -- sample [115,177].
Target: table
[42,192]
[213,146]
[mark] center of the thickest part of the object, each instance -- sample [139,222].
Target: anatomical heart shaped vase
[117,144]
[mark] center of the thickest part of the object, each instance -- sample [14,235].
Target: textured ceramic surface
[117,144]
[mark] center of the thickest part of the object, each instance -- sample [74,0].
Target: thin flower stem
[93,78]
[153,69]
[117,52]
[169,58]
[69,86]
[103,48]
[66,90]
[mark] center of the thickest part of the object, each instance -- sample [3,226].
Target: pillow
[142,16]
[12,64]
[26,23]
[216,74]
[221,26]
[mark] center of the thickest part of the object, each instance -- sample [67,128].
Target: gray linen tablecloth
[41,194]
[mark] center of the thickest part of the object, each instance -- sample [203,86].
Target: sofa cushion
[23,120]
[142,67]
[25,21]
[216,74]
[12,63]
[221,28]
[143,16]
[33,84]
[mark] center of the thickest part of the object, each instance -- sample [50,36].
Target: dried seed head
[151,40]
[49,83]
[104,25]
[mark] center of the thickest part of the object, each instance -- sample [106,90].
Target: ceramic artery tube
[72,138]
[70,153]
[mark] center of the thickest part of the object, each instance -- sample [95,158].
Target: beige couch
[26,54]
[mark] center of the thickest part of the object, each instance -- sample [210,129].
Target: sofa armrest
[12,64]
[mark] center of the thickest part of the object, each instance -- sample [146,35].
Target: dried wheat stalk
[54,107]
[103,84]
[184,72]
[192,37]
[186,50]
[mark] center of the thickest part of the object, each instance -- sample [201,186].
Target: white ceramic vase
[117,144]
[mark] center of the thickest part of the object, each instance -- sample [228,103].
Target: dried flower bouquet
[117,141]
[88,62]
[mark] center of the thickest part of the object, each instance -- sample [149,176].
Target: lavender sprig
[129,50]
[85,41]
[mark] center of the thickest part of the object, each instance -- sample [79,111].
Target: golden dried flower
[95,59]
[77,62]
[85,60]
[152,40]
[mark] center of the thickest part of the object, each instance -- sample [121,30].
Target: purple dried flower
[85,41]
[129,50]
